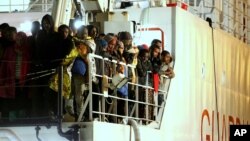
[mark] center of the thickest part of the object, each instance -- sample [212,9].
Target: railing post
[71,134]
[137,99]
[90,87]
[46,5]
[43,5]
[60,89]
[126,102]
[115,106]
[103,98]
[10,6]
[156,94]
[146,100]
[23,5]
[115,94]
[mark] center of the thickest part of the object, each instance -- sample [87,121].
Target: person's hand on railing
[170,72]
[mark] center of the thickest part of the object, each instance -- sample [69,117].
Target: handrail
[112,111]
[26,7]
[133,123]
[234,20]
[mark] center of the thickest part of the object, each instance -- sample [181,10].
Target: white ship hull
[210,91]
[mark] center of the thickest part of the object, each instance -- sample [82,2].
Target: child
[165,70]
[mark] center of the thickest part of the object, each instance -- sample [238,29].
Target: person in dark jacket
[46,53]
[156,64]
[143,67]
[13,73]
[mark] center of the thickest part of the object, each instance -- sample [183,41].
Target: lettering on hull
[215,127]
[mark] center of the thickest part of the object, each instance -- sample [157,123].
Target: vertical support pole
[90,87]
[115,106]
[137,99]
[60,89]
[103,98]
[46,5]
[146,100]
[155,104]
[43,5]
[115,94]
[126,102]
[10,6]
[23,5]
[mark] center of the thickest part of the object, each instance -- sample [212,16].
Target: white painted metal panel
[191,111]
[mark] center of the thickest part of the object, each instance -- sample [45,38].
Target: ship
[210,90]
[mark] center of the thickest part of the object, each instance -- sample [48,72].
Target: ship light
[78,23]
[25,26]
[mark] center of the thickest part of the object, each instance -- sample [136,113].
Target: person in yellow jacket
[67,63]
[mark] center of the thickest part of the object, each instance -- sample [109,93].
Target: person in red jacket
[13,71]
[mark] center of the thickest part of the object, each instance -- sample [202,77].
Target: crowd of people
[28,68]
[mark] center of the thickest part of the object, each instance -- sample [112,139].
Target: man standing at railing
[143,66]
[156,63]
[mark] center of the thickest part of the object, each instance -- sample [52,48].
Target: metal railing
[107,111]
[232,17]
[11,6]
